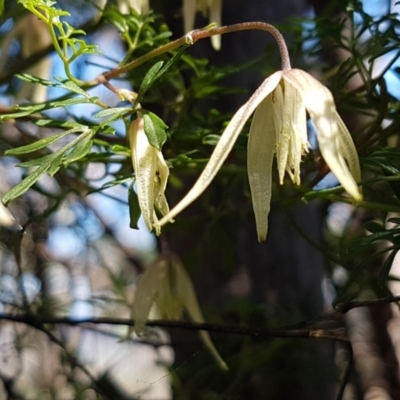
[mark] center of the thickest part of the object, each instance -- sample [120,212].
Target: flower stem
[192,37]
[245,26]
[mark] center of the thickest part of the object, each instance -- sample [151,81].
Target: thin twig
[337,334]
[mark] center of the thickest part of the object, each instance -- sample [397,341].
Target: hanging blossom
[279,127]
[151,175]
[124,7]
[209,8]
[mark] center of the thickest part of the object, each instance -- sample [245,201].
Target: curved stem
[193,37]
[245,26]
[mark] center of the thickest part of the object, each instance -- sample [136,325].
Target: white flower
[124,7]
[140,6]
[209,8]
[151,174]
[279,126]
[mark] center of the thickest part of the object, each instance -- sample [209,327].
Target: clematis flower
[151,173]
[167,285]
[279,126]
[209,8]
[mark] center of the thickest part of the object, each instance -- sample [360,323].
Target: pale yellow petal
[282,124]
[321,108]
[348,149]
[189,14]
[6,218]
[224,145]
[185,290]
[215,7]
[260,155]
[161,178]
[298,140]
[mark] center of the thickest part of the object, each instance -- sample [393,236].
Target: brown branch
[337,334]
[341,309]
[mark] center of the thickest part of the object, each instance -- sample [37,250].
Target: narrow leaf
[80,150]
[115,113]
[38,145]
[385,269]
[23,186]
[149,78]
[72,87]
[134,208]
[374,227]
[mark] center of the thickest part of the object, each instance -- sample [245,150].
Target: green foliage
[63,35]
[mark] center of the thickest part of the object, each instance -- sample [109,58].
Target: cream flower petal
[216,17]
[320,105]
[299,139]
[282,126]
[348,149]
[260,150]
[209,8]
[224,145]
[189,14]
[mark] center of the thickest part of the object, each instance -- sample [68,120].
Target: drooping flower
[151,174]
[279,126]
[209,8]
[167,285]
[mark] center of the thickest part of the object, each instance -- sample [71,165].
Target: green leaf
[1,7]
[56,162]
[38,145]
[23,186]
[385,235]
[171,62]
[50,163]
[134,208]
[35,79]
[211,139]
[156,72]
[59,124]
[394,220]
[394,185]
[80,150]
[115,113]
[36,162]
[385,268]
[72,87]
[23,111]
[374,227]
[114,182]
[154,128]
[150,78]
